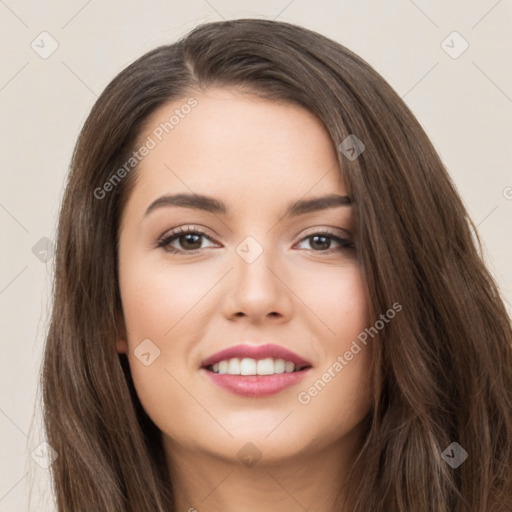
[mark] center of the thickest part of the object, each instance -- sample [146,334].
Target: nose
[257,290]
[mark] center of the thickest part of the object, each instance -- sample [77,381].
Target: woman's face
[245,269]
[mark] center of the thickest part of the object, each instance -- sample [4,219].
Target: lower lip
[256,386]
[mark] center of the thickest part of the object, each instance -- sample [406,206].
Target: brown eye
[320,242]
[191,241]
[188,240]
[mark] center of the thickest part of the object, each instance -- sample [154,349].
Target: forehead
[239,146]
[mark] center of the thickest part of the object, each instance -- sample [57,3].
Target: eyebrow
[212,205]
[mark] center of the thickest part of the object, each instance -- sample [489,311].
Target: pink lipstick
[255,370]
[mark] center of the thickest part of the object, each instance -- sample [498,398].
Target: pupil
[325,244]
[188,239]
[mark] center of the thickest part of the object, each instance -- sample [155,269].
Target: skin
[256,156]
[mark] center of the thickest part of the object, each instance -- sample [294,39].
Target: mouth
[248,359]
[255,370]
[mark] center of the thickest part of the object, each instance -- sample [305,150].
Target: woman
[268,295]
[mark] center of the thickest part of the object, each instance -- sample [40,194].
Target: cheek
[339,391]
[339,299]
[161,303]
[157,297]
[348,309]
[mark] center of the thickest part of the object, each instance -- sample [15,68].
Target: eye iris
[323,245]
[190,238]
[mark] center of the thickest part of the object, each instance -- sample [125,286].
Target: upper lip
[255,352]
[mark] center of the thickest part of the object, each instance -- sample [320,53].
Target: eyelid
[204,231]
[336,233]
[186,228]
[339,232]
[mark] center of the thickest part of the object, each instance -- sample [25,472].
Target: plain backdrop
[461,96]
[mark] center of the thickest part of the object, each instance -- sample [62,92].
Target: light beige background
[464,104]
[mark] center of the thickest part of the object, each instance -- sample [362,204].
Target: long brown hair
[442,367]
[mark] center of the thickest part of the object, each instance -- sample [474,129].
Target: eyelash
[164,242]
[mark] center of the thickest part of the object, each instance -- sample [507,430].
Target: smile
[254,370]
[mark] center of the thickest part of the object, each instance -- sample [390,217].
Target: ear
[122,343]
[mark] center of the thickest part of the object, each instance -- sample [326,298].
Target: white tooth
[248,366]
[279,365]
[234,366]
[265,366]
[223,366]
[289,367]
